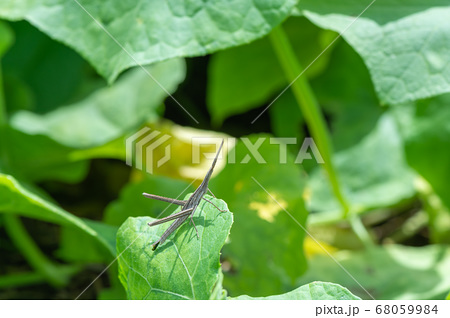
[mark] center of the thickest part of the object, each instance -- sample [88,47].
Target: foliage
[312,291]
[391,269]
[194,272]
[370,85]
[263,259]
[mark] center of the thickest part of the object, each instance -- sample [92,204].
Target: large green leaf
[184,267]
[389,272]
[132,203]
[109,112]
[150,31]
[246,77]
[265,255]
[403,43]
[312,291]
[425,126]
[22,199]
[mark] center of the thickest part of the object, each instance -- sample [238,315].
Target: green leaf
[45,77]
[38,158]
[77,246]
[132,203]
[368,146]
[115,291]
[389,272]
[352,106]
[219,293]
[141,27]
[184,267]
[109,112]
[312,291]
[265,254]
[402,42]
[22,199]
[373,172]
[425,128]
[245,77]
[286,118]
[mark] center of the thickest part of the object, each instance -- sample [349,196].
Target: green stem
[308,105]
[314,119]
[360,230]
[3,118]
[20,237]
[21,279]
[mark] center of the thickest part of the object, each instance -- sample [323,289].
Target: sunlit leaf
[184,267]
[142,30]
[109,112]
[312,291]
[401,42]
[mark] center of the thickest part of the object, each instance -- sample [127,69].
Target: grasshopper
[188,206]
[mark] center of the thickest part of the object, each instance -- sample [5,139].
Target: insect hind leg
[215,205]
[192,220]
[155,245]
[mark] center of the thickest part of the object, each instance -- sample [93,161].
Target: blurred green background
[376,101]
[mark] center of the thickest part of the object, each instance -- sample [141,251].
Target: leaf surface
[404,43]
[312,291]
[149,30]
[109,112]
[23,199]
[38,158]
[373,173]
[247,76]
[184,267]
[425,127]
[388,272]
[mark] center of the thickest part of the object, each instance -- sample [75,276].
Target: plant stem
[21,279]
[308,105]
[315,121]
[20,237]
[3,118]
[360,230]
